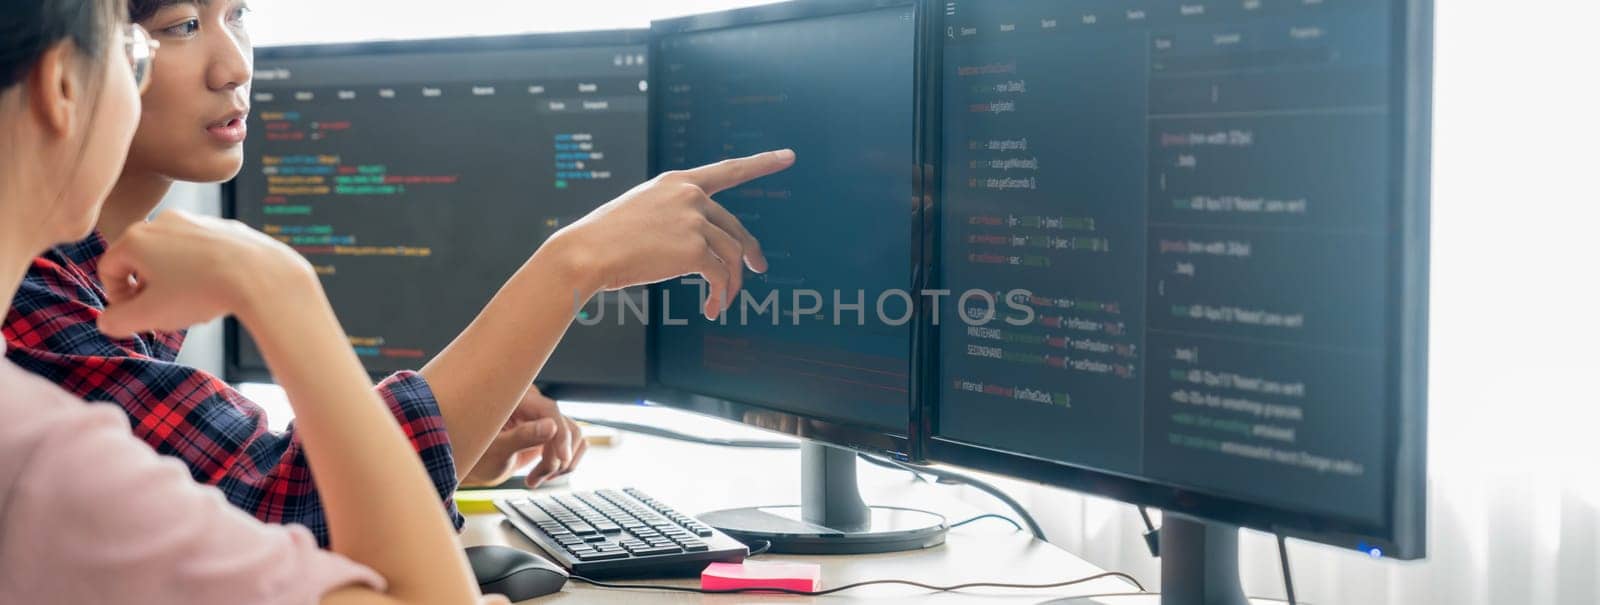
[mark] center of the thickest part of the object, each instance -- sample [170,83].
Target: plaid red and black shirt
[186,413]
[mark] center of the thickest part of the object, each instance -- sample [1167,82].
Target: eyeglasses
[141,50]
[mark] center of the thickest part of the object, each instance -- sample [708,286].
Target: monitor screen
[1173,225]
[826,332]
[418,176]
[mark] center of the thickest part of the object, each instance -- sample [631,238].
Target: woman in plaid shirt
[476,390]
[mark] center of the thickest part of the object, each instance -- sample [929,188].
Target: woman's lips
[231,132]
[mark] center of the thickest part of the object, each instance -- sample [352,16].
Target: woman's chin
[217,170]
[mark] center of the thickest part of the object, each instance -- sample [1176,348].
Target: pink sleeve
[89,514]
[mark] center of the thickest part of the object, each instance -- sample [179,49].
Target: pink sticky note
[761,574]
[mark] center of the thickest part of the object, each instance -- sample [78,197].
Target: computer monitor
[417,176]
[1192,241]
[820,346]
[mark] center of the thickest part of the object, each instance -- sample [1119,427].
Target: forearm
[661,229]
[479,378]
[366,473]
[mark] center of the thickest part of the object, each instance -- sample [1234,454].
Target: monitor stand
[831,518]
[1199,566]
[1199,563]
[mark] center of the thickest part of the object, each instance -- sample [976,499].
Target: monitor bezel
[1401,534]
[897,444]
[234,371]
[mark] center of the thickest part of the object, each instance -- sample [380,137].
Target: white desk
[698,478]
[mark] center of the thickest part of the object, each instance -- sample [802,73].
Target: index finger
[727,174]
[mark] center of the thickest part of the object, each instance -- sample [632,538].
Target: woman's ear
[53,93]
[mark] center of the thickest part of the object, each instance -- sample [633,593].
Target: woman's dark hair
[28,28]
[139,10]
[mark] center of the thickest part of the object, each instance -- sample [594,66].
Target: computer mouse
[518,574]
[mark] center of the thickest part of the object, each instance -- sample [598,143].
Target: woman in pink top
[88,513]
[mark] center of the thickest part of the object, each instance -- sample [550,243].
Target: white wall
[203,348]
[306,21]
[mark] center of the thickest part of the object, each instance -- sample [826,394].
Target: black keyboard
[619,533]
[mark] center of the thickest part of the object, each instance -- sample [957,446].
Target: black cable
[1288,581]
[955,478]
[1013,522]
[875,461]
[1152,538]
[818,593]
[677,436]
[1145,514]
